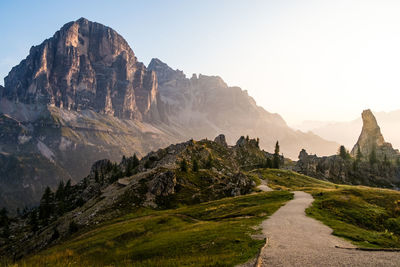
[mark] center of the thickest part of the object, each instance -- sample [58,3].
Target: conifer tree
[372,156]
[183,165]
[46,207]
[209,162]
[343,153]
[195,164]
[276,159]
[359,154]
[33,221]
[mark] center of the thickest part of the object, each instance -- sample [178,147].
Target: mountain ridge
[82,95]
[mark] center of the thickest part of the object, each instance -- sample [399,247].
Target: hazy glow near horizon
[306,60]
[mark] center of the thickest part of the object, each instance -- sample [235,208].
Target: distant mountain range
[346,133]
[82,95]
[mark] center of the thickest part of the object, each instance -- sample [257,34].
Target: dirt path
[297,240]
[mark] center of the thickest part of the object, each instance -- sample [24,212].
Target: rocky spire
[85,65]
[371,138]
[164,72]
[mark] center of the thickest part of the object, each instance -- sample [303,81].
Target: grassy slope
[212,233]
[369,217]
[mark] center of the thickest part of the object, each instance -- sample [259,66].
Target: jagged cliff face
[371,139]
[85,65]
[204,106]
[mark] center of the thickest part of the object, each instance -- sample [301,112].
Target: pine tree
[209,162]
[269,163]
[60,192]
[68,189]
[195,164]
[33,221]
[183,165]
[60,199]
[46,207]
[96,176]
[372,156]
[3,217]
[343,153]
[132,164]
[276,158]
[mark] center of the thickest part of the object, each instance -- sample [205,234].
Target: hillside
[222,232]
[182,174]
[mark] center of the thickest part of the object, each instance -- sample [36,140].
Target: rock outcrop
[220,139]
[373,161]
[348,171]
[371,139]
[85,65]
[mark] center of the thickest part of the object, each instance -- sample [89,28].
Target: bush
[393,225]
[209,162]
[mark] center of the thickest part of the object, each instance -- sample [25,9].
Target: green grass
[216,233]
[366,216]
[288,180]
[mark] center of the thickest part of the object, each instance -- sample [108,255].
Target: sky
[306,60]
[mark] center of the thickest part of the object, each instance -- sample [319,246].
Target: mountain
[85,65]
[371,162]
[82,95]
[206,106]
[346,133]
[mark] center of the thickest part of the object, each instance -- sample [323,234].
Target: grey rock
[220,139]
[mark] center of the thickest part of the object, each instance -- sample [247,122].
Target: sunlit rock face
[371,139]
[85,65]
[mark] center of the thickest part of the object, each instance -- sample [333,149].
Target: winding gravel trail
[297,240]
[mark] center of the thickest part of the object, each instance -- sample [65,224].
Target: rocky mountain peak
[164,72]
[371,130]
[85,65]
[371,138]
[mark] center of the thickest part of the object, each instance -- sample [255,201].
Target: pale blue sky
[307,60]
